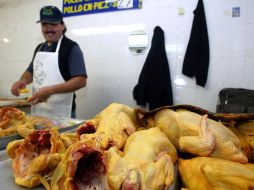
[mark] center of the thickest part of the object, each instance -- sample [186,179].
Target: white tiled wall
[113,70]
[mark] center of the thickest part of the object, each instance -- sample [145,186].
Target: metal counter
[64,124]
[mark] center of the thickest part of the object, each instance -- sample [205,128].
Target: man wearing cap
[56,70]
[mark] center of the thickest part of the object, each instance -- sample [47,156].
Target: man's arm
[71,85]
[25,79]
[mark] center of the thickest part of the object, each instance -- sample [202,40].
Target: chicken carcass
[146,163]
[35,157]
[214,174]
[111,127]
[83,167]
[190,132]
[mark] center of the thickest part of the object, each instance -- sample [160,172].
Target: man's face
[52,31]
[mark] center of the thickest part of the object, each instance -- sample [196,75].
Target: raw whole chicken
[111,127]
[216,174]
[146,163]
[198,135]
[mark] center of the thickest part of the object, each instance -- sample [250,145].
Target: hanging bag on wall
[236,100]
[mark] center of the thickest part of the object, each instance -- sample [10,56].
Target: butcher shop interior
[127,95]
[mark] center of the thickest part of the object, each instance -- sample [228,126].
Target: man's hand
[71,85]
[24,80]
[41,96]
[17,86]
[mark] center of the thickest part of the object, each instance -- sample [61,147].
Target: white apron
[46,73]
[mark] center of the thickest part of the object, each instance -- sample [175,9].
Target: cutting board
[14,102]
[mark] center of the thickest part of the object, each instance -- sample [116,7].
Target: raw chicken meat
[216,174]
[146,163]
[35,157]
[111,127]
[195,134]
[83,167]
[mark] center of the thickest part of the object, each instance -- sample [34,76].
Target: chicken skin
[215,174]
[198,135]
[111,127]
[146,163]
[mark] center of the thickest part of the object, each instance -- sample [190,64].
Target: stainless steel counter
[7,181]
[3,155]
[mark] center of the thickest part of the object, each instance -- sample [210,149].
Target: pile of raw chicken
[131,149]
[14,121]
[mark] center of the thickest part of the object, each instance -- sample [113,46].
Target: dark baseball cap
[50,14]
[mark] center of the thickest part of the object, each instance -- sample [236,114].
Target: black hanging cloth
[196,60]
[154,84]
